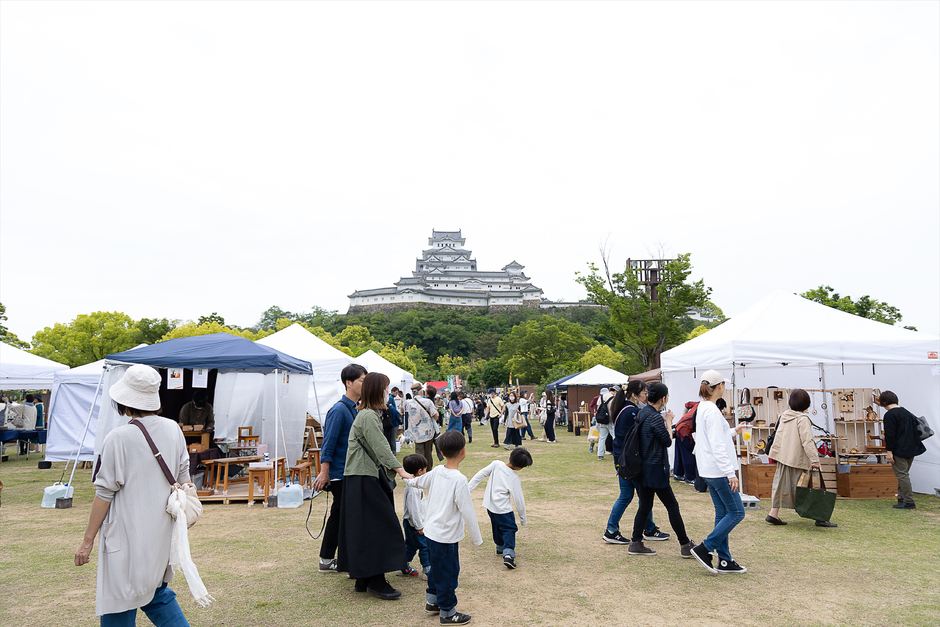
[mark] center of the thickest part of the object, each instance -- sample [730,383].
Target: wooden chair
[301,474]
[246,437]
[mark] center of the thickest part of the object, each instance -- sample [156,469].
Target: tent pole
[91,411]
[316,398]
[277,423]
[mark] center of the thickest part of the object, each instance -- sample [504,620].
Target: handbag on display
[814,503]
[745,411]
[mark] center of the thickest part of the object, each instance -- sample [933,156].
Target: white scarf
[185,509]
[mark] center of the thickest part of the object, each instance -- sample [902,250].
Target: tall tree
[535,346]
[603,355]
[191,329]
[87,338]
[865,306]
[152,330]
[7,336]
[211,318]
[642,326]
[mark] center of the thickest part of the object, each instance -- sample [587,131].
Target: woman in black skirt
[370,538]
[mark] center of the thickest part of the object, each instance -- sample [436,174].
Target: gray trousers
[902,470]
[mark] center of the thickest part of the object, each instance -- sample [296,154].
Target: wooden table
[201,436]
[219,469]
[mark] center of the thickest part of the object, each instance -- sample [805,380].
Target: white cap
[713,378]
[139,388]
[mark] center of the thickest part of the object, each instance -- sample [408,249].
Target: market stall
[20,370]
[373,362]
[785,341]
[583,387]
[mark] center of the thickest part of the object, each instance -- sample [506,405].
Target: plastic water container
[55,491]
[290,496]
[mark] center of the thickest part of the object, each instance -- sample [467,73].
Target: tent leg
[316,399]
[277,425]
[81,442]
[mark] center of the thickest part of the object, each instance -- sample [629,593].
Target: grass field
[879,567]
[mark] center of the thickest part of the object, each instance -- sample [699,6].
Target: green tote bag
[814,503]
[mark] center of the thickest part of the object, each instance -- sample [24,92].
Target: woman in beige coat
[795,453]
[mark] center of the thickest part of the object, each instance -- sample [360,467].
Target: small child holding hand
[413,519]
[502,491]
[448,511]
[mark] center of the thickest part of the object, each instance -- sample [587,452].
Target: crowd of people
[363,536]
[25,415]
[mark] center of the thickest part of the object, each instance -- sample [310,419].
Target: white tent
[598,375]
[327,361]
[789,341]
[20,370]
[373,362]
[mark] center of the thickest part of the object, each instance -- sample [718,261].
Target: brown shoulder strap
[156,453]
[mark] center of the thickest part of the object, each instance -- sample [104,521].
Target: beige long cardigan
[134,544]
[793,443]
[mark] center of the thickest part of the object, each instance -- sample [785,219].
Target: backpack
[602,417]
[686,425]
[630,464]
[921,428]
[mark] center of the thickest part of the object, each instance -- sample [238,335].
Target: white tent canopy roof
[373,362]
[784,327]
[598,375]
[20,370]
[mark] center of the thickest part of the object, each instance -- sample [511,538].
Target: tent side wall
[68,411]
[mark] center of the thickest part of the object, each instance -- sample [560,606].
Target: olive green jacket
[365,439]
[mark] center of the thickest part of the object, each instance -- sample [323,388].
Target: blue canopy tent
[254,382]
[560,383]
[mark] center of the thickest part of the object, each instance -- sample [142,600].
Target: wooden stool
[301,473]
[265,479]
[313,456]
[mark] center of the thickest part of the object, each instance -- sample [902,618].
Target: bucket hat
[138,388]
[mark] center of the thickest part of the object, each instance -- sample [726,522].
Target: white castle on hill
[446,275]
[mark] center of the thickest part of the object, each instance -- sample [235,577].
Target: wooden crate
[758,479]
[871,481]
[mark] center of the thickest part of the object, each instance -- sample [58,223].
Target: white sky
[173,159]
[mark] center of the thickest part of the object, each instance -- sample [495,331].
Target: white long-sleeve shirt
[715,454]
[502,490]
[414,507]
[448,508]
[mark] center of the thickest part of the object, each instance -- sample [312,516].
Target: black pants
[494,427]
[668,499]
[331,533]
[550,428]
[391,435]
[467,426]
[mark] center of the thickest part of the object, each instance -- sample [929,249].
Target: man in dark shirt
[903,445]
[198,412]
[336,428]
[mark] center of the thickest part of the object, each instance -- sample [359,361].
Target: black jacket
[654,441]
[901,434]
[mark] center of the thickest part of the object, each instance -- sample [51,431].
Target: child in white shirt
[448,511]
[502,491]
[413,519]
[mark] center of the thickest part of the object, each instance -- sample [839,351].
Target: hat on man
[713,378]
[415,386]
[139,388]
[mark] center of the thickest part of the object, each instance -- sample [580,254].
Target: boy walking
[448,511]
[502,490]
[413,518]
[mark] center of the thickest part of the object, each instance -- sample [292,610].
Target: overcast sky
[178,158]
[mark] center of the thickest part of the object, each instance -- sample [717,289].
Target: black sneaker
[638,548]
[704,557]
[730,568]
[384,590]
[685,550]
[509,562]
[432,608]
[615,538]
[656,536]
[904,506]
[456,619]
[329,567]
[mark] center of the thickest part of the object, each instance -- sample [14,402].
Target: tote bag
[814,503]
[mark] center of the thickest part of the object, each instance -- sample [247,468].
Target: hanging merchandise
[174,379]
[745,411]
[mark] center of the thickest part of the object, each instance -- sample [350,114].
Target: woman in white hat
[129,509]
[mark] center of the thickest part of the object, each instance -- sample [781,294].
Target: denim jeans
[627,491]
[504,532]
[442,580]
[527,429]
[163,611]
[729,511]
[455,423]
[603,431]
[416,543]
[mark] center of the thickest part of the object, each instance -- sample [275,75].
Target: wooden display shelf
[866,481]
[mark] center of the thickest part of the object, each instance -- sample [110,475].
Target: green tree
[356,339]
[493,373]
[600,354]
[191,329]
[532,348]
[697,331]
[7,336]
[644,327]
[448,365]
[152,330]
[865,306]
[87,338]
[211,318]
